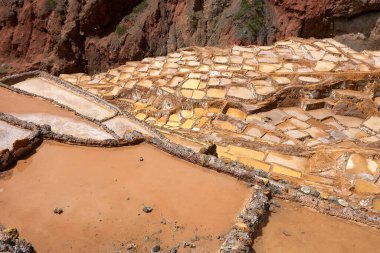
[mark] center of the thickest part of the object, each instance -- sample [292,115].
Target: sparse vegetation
[120,30]
[4,67]
[137,9]
[193,20]
[3,71]
[140,7]
[251,14]
[50,5]
[20,3]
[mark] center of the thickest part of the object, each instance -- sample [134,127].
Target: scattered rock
[305,189]
[11,233]
[188,244]
[141,159]
[131,246]
[314,192]
[220,237]
[58,210]
[275,203]
[147,209]
[333,199]
[286,233]
[156,248]
[173,250]
[10,242]
[272,209]
[342,202]
[365,202]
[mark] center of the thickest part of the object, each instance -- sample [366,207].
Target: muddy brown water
[297,229]
[41,111]
[12,102]
[103,192]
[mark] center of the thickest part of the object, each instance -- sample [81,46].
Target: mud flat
[103,192]
[293,228]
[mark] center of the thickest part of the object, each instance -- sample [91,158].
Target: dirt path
[103,192]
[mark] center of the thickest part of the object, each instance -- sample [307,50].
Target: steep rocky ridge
[94,35]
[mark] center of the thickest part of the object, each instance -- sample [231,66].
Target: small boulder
[156,248]
[147,209]
[58,210]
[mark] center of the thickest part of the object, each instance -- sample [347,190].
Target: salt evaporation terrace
[298,121]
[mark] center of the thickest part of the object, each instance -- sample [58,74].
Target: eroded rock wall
[94,35]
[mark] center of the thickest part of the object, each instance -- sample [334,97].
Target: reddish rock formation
[94,35]
[325,18]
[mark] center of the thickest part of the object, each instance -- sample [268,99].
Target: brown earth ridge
[94,35]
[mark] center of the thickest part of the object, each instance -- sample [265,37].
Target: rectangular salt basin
[298,229]
[47,89]
[41,111]
[103,192]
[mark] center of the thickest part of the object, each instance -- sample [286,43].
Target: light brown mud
[103,191]
[12,102]
[293,228]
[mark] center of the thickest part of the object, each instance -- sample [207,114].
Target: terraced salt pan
[67,126]
[40,111]
[9,134]
[120,125]
[47,89]
[297,229]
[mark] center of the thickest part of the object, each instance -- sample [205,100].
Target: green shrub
[50,5]
[140,7]
[251,13]
[136,10]
[120,30]
[193,19]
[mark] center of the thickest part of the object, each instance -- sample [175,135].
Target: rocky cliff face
[94,35]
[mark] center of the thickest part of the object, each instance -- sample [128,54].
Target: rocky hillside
[94,35]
